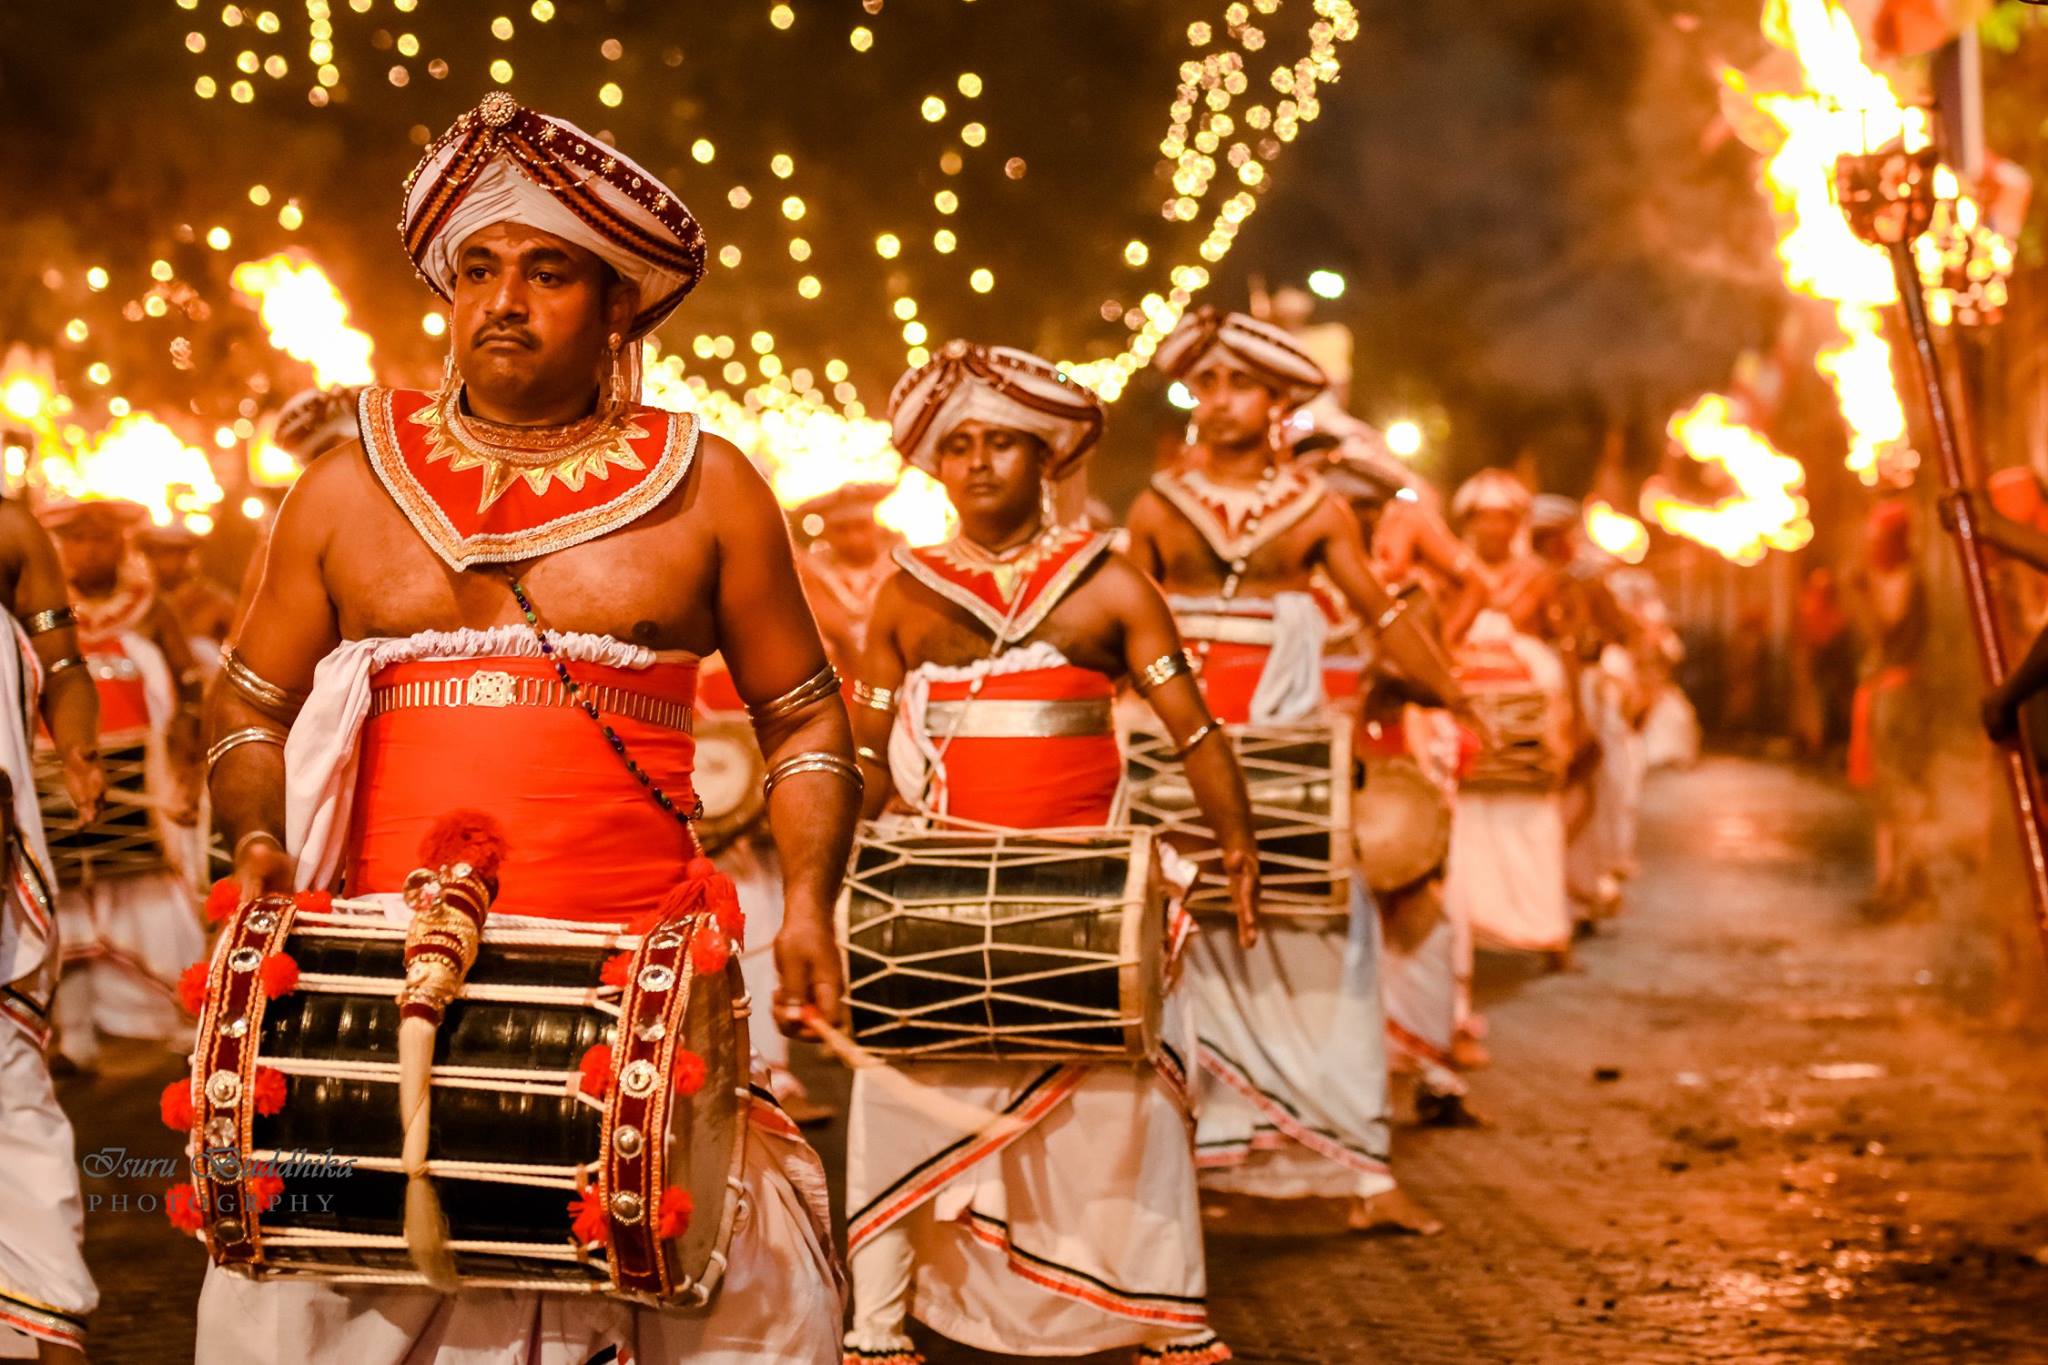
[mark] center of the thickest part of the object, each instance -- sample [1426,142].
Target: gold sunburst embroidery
[594,457]
[1008,574]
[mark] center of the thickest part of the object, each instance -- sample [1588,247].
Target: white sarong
[1075,1233]
[782,1296]
[1291,1090]
[46,1292]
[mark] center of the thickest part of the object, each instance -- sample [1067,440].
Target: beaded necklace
[589,708]
[1237,568]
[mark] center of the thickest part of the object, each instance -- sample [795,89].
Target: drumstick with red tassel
[939,1107]
[450,895]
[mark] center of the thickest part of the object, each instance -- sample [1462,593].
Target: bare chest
[1084,631]
[1192,566]
[652,582]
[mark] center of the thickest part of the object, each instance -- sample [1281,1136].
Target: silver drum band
[1012,719]
[489,688]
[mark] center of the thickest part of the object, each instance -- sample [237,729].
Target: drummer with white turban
[1291,1095]
[1070,1226]
[1505,880]
[384,685]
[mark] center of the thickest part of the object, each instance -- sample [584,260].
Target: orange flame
[141,460]
[1617,533]
[1844,108]
[806,449]
[306,317]
[1764,513]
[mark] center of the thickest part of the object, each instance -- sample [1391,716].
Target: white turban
[997,385]
[1491,490]
[500,163]
[1267,352]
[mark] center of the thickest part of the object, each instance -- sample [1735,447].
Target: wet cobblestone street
[1752,1125]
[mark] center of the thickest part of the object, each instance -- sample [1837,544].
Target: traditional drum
[1299,779]
[727,776]
[1506,694]
[1400,824]
[562,1071]
[125,839]
[1005,946]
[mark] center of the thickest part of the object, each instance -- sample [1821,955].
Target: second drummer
[1082,1227]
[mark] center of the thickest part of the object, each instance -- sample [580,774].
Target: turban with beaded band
[501,163]
[998,385]
[1266,352]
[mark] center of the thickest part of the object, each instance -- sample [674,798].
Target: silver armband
[814,761]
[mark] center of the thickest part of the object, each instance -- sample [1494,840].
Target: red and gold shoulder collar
[478,502]
[1238,521]
[1011,596]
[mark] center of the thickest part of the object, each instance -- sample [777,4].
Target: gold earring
[615,341]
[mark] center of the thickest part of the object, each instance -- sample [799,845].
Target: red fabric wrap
[1033,783]
[1230,675]
[586,840]
[124,702]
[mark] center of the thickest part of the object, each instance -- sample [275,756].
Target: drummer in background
[1080,1233]
[844,565]
[1425,973]
[1291,1095]
[1592,635]
[311,423]
[126,938]
[1506,875]
[203,608]
[501,574]
[46,1292]
[842,568]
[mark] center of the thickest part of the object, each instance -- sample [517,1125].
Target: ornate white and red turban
[501,163]
[315,421]
[997,385]
[1491,490]
[1259,348]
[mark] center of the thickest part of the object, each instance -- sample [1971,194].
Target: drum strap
[687,819]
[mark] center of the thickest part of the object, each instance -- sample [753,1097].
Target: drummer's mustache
[495,331]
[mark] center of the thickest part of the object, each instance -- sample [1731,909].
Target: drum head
[1400,825]
[727,777]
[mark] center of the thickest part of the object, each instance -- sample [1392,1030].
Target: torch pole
[2023,778]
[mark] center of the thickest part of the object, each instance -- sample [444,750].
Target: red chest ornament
[479,493]
[1009,595]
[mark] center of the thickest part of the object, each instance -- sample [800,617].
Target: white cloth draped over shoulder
[782,1296]
[1291,685]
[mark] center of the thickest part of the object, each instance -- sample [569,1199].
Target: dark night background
[1544,237]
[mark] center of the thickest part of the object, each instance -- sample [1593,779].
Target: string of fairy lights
[1220,143]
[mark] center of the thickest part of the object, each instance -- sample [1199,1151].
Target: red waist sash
[1031,781]
[124,700]
[1230,675]
[584,839]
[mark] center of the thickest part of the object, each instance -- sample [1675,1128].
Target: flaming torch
[307,318]
[1888,196]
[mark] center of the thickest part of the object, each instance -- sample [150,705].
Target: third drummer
[1081,1227]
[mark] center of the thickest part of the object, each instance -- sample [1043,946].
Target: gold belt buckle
[490,687]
